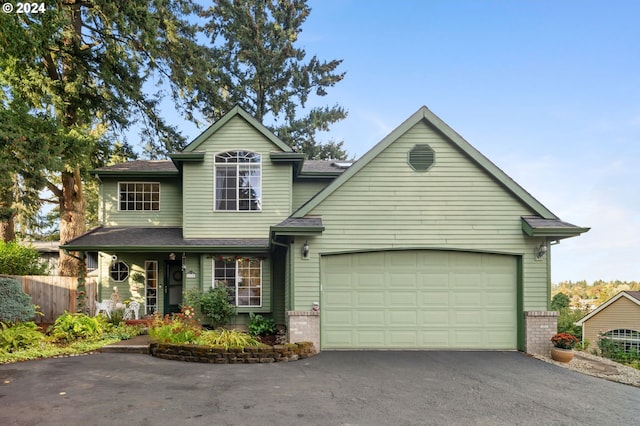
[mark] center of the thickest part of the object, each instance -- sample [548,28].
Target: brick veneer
[540,326]
[304,326]
[220,355]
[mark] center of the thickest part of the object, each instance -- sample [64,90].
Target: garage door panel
[434,299]
[403,318]
[364,318]
[403,299]
[419,299]
[369,299]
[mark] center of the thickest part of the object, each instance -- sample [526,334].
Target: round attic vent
[421,158]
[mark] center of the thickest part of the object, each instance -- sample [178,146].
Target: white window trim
[137,182]
[154,265]
[237,210]
[625,336]
[213,284]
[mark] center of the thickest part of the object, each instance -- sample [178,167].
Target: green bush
[216,307]
[16,259]
[15,304]
[228,339]
[193,298]
[261,326]
[178,330]
[616,351]
[19,336]
[566,319]
[68,327]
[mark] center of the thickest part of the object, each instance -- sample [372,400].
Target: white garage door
[418,299]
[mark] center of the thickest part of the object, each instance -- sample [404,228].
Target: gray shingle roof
[538,222]
[156,238]
[302,222]
[634,294]
[325,166]
[141,166]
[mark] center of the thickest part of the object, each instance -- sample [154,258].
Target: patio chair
[106,306]
[132,311]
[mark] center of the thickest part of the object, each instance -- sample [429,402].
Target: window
[151,286]
[629,340]
[242,277]
[119,271]
[238,176]
[139,196]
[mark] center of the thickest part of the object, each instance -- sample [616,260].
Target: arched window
[628,340]
[238,181]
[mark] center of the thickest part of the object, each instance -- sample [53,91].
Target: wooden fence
[54,294]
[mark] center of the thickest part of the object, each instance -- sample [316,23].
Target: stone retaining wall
[220,355]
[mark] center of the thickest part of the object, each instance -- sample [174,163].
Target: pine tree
[262,70]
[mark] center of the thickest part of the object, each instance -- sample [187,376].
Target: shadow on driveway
[332,388]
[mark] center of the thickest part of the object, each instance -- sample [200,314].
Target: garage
[419,299]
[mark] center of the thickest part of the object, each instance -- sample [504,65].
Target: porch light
[184,261]
[172,256]
[305,250]
[541,250]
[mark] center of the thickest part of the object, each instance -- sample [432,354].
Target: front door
[172,286]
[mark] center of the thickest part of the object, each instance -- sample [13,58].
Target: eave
[534,226]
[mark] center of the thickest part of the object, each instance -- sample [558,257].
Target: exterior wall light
[184,261]
[541,250]
[305,250]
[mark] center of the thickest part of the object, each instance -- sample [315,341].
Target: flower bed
[220,355]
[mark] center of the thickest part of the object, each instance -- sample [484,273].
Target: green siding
[200,219]
[455,205]
[170,213]
[304,190]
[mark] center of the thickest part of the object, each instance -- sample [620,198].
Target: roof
[139,166]
[536,226]
[633,296]
[325,166]
[122,238]
[299,226]
[424,114]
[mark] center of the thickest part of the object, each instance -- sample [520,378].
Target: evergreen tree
[81,67]
[262,70]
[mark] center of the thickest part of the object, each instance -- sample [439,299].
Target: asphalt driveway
[333,388]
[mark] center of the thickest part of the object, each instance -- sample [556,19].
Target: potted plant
[563,344]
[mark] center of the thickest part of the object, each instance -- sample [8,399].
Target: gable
[236,114]
[621,304]
[452,196]
[441,132]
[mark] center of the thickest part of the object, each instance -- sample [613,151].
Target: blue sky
[548,90]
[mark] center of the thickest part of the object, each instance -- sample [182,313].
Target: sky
[548,90]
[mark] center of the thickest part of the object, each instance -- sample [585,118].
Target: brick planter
[219,355]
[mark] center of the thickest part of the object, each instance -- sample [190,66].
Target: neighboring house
[421,243]
[618,319]
[50,253]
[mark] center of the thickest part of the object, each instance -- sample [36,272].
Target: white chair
[132,311]
[106,306]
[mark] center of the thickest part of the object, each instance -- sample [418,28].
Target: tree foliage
[262,70]
[16,259]
[82,69]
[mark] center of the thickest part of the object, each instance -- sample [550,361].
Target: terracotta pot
[561,355]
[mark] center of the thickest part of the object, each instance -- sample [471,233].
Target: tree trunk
[8,230]
[72,219]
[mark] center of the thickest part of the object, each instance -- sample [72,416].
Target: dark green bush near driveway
[15,304]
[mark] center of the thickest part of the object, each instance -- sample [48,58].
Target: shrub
[616,350]
[261,326]
[193,298]
[16,259]
[22,335]
[15,304]
[228,339]
[68,327]
[566,321]
[216,307]
[178,329]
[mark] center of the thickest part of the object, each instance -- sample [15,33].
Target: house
[421,243]
[618,319]
[49,253]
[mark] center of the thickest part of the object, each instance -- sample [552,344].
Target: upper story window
[238,181]
[139,196]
